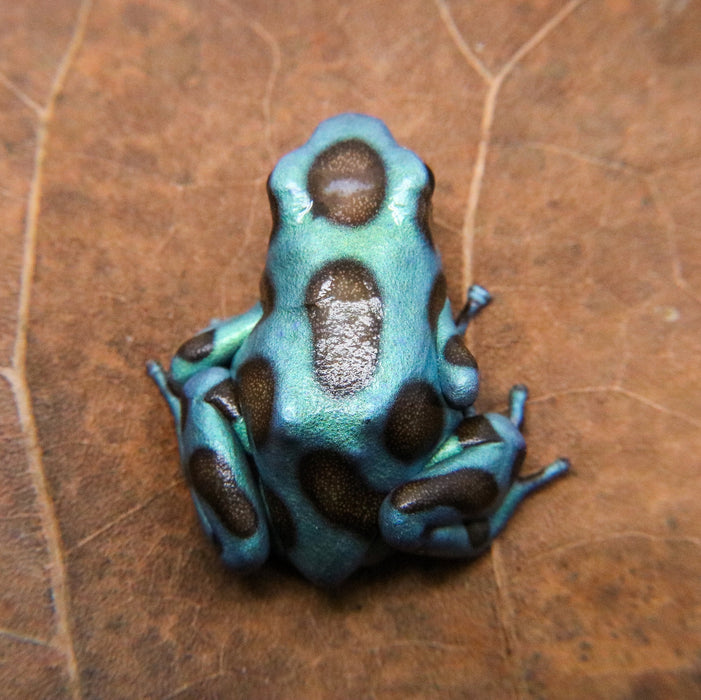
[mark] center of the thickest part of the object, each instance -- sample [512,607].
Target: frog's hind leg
[216,465]
[522,486]
[461,502]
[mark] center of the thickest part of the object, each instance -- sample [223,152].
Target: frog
[334,421]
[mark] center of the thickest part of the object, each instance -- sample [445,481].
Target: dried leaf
[135,142]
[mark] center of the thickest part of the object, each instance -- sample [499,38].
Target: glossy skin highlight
[333,421]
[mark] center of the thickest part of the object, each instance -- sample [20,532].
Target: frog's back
[339,381]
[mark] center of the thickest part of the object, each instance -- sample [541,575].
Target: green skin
[333,420]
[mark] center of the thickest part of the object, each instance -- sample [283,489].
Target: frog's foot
[477,298]
[458,505]
[216,465]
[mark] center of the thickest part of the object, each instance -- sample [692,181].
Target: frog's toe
[521,487]
[168,389]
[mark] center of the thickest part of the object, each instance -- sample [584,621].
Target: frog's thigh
[218,471]
[447,509]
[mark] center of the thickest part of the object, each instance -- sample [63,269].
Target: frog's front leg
[215,346]
[464,498]
[457,367]
[216,465]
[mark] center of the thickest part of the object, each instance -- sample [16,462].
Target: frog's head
[350,177]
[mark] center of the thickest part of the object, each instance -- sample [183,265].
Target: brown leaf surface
[136,139]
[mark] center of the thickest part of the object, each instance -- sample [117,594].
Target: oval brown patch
[256,382]
[476,430]
[347,183]
[197,348]
[415,421]
[456,353]
[210,475]
[223,397]
[333,484]
[468,490]
[345,311]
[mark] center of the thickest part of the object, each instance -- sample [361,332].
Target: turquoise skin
[334,419]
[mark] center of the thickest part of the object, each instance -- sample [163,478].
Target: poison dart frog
[334,420]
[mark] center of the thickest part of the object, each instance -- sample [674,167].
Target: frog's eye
[431,184]
[274,208]
[423,206]
[267,294]
[347,183]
